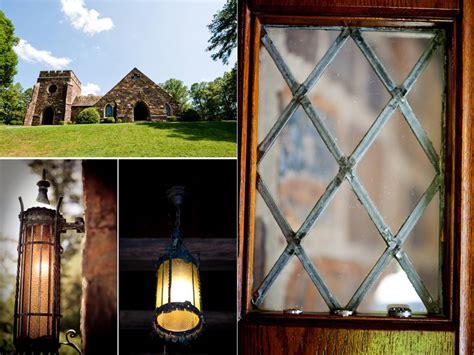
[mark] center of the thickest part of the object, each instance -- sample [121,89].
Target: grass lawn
[144,139]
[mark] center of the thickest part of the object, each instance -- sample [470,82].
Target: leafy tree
[196,92]
[223,30]
[8,58]
[205,99]
[26,97]
[216,100]
[88,115]
[178,91]
[228,94]
[14,103]
[198,98]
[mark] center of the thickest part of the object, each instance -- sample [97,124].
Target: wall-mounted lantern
[178,313]
[37,297]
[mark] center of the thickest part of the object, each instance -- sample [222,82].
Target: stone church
[57,99]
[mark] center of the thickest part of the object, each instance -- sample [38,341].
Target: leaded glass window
[109,111]
[349,210]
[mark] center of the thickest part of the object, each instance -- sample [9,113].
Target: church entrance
[48,116]
[140,112]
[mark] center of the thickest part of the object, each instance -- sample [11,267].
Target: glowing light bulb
[182,289]
[42,267]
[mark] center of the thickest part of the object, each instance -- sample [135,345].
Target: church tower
[53,95]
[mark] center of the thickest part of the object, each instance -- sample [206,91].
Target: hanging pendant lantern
[37,298]
[178,312]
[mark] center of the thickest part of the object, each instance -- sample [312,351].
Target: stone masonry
[54,91]
[57,99]
[99,258]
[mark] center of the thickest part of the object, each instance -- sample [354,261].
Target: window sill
[356,321]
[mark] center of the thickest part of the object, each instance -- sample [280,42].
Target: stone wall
[68,87]
[133,88]
[31,106]
[99,258]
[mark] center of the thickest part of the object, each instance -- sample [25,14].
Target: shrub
[172,119]
[88,115]
[190,115]
[61,122]
[119,120]
[108,120]
[14,121]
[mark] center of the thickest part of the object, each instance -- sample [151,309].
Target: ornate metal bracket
[73,334]
[78,225]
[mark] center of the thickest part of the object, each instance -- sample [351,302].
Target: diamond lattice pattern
[393,240]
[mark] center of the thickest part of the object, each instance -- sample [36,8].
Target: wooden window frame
[457,19]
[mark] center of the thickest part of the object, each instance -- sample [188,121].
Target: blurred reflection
[344,244]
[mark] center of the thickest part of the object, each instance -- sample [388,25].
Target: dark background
[209,211]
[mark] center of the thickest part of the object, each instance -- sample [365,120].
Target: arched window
[109,110]
[169,111]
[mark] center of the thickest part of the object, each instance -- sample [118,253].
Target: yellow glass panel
[37,283]
[184,284]
[178,321]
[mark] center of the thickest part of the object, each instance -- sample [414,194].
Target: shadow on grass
[195,131]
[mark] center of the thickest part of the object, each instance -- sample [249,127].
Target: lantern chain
[176,236]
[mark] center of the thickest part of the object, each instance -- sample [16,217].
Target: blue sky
[102,40]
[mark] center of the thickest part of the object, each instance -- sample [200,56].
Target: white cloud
[90,89]
[84,19]
[30,54]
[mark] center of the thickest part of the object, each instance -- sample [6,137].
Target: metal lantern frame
[30,218]
[177,250]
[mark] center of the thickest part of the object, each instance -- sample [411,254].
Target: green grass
[144,139]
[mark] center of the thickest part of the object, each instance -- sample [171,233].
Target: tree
[13,101]
[223,32]
[8,58]
[178,91]
[13,104]
[26,97]
[205,99]
[228,94]
[198,98]
[216,100]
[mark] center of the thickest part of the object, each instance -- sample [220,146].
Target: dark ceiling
[209,210]
[146,219]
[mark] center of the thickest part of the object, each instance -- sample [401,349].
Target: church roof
[89,100]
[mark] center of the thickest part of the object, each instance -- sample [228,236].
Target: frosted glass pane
[297,168]
[344,243]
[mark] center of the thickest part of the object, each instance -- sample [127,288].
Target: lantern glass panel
[37,296]
[184,287]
